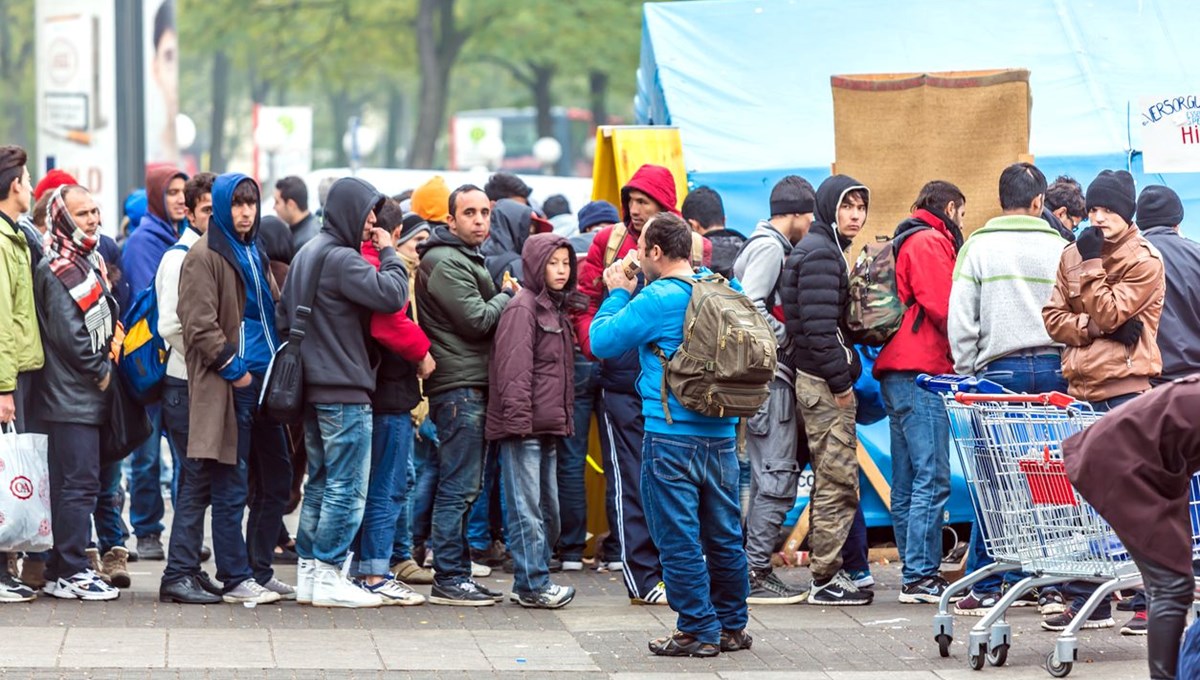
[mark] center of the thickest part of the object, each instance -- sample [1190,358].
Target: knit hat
[597,212]
[792,195]
[413,224]
[431,200]
[1159,206]
[1114,190]
[54,179]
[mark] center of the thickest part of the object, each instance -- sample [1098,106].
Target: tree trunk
[395,118]
[439,44]
[543,75]
[341,118]
[220,105]
[598,92]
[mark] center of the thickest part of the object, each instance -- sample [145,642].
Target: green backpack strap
[662,358]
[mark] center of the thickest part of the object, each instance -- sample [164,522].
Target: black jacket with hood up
[503,247]
[815,288]
[339,362]
[1179,327]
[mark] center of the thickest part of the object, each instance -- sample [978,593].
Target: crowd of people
[457,343]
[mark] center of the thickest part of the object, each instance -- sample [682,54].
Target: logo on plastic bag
[21,488]
[44,528]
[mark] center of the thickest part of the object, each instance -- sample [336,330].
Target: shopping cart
[1010,446]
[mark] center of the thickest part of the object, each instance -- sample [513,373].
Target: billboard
[76,97]
[1171,133]
[160,70]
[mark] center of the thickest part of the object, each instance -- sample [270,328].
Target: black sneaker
[13,590]
[150,547]
[552,597]
[839,591]
[767,588]
[494,594]
[928,590]
[460,593]
[1095,621]
[1136,625]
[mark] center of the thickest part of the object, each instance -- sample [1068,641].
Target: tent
[747,81]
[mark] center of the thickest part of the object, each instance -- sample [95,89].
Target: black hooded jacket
[1058,225]
[815,291]
[510,229]
[339,363]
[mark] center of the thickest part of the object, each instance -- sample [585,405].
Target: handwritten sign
[1171,133]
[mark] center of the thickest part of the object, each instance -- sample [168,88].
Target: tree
[17,77]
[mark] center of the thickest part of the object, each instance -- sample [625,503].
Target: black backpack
[282,398]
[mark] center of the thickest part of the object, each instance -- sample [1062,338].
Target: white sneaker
[572,565]
[86,585]
[656,595]
[393,592]
[249,591]
[480,570]
[304,580]
[613,566]
[333,588]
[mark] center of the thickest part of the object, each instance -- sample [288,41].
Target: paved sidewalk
[599,636]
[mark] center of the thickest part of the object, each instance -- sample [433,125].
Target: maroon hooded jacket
[531,375]
[1135,466]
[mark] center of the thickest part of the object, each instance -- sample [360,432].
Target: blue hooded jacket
[257,339]
[145,247]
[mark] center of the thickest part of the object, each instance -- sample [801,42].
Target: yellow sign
[621,150]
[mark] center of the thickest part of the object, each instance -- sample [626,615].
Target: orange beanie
[431,200]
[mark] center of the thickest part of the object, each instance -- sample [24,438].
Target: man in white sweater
[1004,276]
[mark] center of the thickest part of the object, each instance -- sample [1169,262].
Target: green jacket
[20,341]
[460,309]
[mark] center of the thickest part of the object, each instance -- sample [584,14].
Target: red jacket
[924,273]
[396,332]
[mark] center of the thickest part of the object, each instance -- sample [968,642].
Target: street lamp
[185,131]
[359,142]
[547,151]
[270,136]
[492,150]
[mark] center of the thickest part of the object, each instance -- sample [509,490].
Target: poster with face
[76,98]
[161,70]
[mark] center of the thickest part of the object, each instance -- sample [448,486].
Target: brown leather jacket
[1092,299]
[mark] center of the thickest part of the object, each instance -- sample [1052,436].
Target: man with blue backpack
[229,337]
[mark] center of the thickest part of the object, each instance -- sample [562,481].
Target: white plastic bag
[24,492]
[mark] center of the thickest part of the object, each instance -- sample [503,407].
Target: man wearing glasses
[1064,207]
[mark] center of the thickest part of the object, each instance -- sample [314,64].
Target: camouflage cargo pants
[834,499]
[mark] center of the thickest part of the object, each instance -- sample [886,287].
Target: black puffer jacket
[726,244]
[815,291]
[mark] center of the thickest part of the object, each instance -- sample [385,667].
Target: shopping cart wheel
[1058,670]
[943,641]
[975,660]
[998,656]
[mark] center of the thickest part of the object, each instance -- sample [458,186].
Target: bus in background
[472,132]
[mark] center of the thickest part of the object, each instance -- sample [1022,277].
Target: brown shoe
[11,564]
[411,573]
[94,563]
[33,573]
[116,567]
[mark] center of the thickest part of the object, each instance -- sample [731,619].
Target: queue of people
[456,345]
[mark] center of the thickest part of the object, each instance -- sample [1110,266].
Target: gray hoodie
[339,366]
[758,267]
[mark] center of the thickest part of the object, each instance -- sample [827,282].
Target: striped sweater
[1004,276]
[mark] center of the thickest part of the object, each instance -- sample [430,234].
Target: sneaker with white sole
[976,604]
[1063,620]
[1051,602]
[656,596]
[572,565]
[332,587]
[552,596]
[86,585]
[480,570]
[286,592]
[461,592]
[767,588]
[14,590]
[393,592]
[304,580]
[838,591]
[928,590]
[615,565]
[249,591]
[861,578]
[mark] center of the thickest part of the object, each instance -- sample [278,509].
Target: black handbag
[282,398]
[128,425]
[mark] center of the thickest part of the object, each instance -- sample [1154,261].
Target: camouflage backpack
[876,309]
[725,364]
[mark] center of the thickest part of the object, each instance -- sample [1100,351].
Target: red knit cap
[54,179]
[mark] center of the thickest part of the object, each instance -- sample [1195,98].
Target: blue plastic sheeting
[747,82]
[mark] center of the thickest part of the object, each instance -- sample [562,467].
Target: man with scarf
[77,317]
[165,220]
[228,319]
[920,430]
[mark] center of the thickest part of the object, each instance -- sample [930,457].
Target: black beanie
[1159,206]
[792,195]
[1114,190]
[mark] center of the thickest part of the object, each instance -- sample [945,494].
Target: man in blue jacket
[690,468]
[165,220]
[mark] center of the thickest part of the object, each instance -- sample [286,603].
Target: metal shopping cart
[1010,446]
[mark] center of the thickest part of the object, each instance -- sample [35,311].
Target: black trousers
[1170,594]
[74,457]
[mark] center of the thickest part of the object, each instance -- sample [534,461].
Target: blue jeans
[387,491]
[459,415]
[531,487]
[485,523]
[111,530]
[146,508]
[413,526]
[572,463]
[338,439]
[402,542]
[920,472]
[263,445]
[1024,374]
[690,497]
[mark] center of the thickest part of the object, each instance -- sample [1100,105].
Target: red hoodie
[396,332]
[924,272]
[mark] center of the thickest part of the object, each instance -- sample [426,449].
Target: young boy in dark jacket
[530,410]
